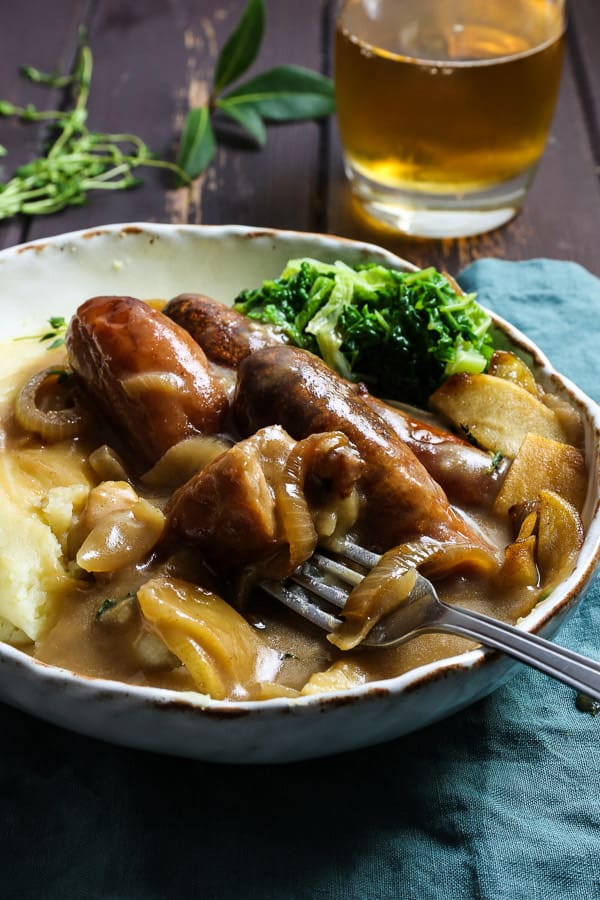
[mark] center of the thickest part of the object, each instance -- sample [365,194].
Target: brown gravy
[78,641]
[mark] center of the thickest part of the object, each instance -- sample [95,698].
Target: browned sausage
[147,375]
[258,503]
[226,336]
[292,388]
[465,472]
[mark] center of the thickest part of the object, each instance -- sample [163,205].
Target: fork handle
[573,669]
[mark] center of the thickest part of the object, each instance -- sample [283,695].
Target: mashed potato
[41,489]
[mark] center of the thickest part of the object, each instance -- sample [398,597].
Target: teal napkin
[499,802]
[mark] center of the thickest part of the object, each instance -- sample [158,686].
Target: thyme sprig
[56,334]
[77,160]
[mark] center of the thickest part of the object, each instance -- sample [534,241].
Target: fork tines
[326,578]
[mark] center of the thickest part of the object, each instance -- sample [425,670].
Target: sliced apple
[509,366]
[494,412]
[560,536]
[518,568]
[543,464]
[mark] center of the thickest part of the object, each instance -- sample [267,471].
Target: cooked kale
[399,332]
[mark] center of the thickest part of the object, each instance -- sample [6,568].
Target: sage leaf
[242,46]
[198,145]
[247,117]
[285,94]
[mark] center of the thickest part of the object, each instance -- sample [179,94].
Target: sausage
[294,389]
[257,504]
[225,335]
[146,374]
[466,473]
[228,337]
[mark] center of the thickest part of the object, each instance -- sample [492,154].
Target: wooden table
[153,59]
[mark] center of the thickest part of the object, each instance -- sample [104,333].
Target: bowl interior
[53,277]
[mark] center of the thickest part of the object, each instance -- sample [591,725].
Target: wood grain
[584,32]
[153,61]
[44,37]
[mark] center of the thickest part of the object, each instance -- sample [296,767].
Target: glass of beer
[444,107]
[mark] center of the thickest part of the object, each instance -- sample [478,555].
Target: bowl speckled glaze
[52,277]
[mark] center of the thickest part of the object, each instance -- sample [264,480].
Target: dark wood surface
[154,59]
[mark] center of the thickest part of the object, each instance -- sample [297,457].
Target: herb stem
[79,160]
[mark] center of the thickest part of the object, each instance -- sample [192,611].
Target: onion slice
[51,424]
[388,584]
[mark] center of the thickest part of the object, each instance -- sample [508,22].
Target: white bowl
[52,277]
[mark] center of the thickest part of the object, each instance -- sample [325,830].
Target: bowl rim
[541,615]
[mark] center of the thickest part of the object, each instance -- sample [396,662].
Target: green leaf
[198,145]
[285,94]
[3,150]
[247,117]
[57,322]
[242,46]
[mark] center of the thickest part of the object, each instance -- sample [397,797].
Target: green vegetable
[58,329]
[198,145]
[496,459]
[281,94]
[242,46]
[62,375]
[399,332]
[116,610]
[77,160]
[105,606]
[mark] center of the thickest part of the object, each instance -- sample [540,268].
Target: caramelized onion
[330,508]
[136,386]
[184,460]
[107,464]
[450,559]
[392,579]
[222,653]
[51,424]
[295,518]
[383,589]
[121,538]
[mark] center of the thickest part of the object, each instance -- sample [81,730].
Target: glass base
[431,215]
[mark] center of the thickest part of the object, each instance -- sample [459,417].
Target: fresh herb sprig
[280,94]
[56,333]
[77,160]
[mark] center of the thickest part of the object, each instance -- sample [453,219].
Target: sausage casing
[225,335]
[293,388]
[147,375]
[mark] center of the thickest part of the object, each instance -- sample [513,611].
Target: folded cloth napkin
[499,801]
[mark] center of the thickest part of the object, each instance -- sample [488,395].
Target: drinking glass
[444,107]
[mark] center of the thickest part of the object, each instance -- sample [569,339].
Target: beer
[443,97]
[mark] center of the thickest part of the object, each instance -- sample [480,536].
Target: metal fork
[324,578]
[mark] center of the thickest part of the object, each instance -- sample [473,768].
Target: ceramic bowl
[51,277]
